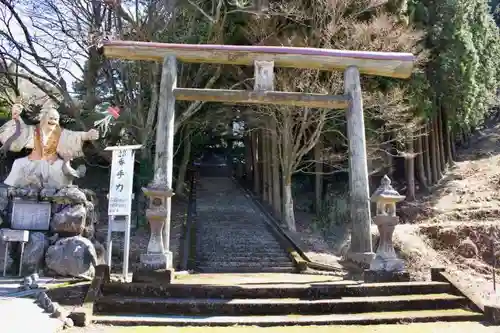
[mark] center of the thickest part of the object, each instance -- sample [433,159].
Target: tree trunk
[442,152]
[448,137]
[410,172]
[248,157]
[265,169]
[318,177]
[453,145]
[275,173]
[186,156]
[389,158]
[255,162]
[288,213]
[426,155]
[269,165]
[286,162]
[422,179]
[437,145]
[432,153]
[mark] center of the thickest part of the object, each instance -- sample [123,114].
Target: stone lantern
[386,265]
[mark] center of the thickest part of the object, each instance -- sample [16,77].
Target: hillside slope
[458,225]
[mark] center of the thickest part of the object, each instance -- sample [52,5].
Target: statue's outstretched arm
[71,143]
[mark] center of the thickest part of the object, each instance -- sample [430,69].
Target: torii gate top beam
[390,64]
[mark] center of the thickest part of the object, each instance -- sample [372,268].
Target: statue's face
[50,120]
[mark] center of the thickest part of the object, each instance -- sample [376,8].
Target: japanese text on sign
[121,182]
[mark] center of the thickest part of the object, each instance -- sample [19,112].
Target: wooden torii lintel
[389,64]
[262,97]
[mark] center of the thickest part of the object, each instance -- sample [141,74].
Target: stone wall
[68,247]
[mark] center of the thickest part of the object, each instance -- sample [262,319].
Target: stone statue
[54,147]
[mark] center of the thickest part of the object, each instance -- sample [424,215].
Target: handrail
[188,234]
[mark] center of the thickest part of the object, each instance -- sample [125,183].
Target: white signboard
[120,199]
[121,180]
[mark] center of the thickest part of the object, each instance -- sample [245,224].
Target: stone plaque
[30,215]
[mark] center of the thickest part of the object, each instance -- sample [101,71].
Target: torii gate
[264,59]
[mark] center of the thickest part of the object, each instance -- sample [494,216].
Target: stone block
[34,252]
[362,258]
[158,276]
[81,317]
[380,263]
[492,314]
[70,219]
[155,261]
[370,276]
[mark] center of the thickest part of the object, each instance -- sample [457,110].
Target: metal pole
[109,242]
[126,247]
[21,259]
[5,257]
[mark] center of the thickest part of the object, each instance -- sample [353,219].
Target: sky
[28,61]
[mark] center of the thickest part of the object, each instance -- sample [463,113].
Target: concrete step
[303,291]
[281,306]
[257,246]
[241,269]
[396,317]
[263,260]
[234,267]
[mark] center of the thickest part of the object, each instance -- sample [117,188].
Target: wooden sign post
[120,199]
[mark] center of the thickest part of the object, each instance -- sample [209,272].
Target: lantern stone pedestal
[386,266]
[156,265]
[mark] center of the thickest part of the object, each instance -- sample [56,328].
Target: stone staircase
[279,304]
[231,233]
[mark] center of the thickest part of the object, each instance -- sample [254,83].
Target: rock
[70,195]
[23,192]
[34,252]
[2,257]
[71,219]
[53,239]
[4,198]
[47,193]
[467,248]
[100,252]
[72,256]
[448,237]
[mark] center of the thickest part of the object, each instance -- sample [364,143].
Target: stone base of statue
[61,225]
